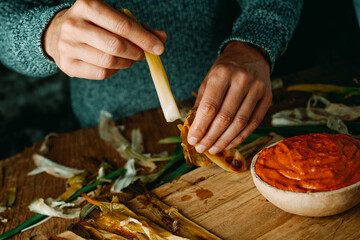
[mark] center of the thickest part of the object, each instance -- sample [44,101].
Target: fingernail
[200,148]
[214,150]
[158,49]
[193,141]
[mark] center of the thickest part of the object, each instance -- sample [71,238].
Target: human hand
[232,100]
[92,40]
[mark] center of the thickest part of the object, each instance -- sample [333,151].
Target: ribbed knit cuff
[28,40]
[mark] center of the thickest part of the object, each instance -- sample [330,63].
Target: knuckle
[240,121]
[244,79]
[139,55]
[210,139]
[127,64]
[209,108]
[260,87]
[123,27]
[225,118]
[222,143]
[101,74]
[255,123]
[107,61]
[69,25]
[115,45]
[222,69]
[146,42]
[239,139]
[62,47]
[80,4]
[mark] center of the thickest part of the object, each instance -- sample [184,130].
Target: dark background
[30,108]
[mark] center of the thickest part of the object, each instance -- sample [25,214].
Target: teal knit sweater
[197,32]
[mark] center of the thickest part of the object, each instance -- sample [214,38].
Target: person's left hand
[232,99]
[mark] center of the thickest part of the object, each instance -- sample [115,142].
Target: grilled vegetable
[172,220]
[116,218]
[229,160]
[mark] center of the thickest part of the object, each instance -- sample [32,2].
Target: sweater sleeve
[22,24]
[268,24]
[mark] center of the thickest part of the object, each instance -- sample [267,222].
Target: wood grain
[230,206]
[81,149]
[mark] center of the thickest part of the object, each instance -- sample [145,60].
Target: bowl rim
[254,174]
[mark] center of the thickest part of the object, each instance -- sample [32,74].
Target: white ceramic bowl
[315,204]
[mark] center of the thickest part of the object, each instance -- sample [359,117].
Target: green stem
[39,217]
[170,140]
[178,172]
[161,159]
[170,163]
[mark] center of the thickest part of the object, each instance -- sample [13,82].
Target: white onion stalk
[158,74]
[161,82]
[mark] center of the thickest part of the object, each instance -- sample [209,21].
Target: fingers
[254,122]
[82,69]
[230,126]
[223,120]
[239,122]
[200,93]
[96,57]
[112,20]
[159,33]
[208,108]
[107,42]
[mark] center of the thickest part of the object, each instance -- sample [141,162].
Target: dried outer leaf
[229,160]
[117,218]
[76,182]
[332,115]
[9,197]
[111,134]
[3,220]
[46,165]
[44,146]
[98,233]
[317,114]
[67,235]
[53,208]
[125,180]
[170,218]
[344,112]
[137,140]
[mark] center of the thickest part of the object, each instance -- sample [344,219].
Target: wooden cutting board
[226,204]
[230,206]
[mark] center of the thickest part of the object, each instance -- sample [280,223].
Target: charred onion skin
[230,160]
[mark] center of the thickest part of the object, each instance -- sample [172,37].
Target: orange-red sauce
[311,163]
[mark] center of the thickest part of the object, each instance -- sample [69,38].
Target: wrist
[257,51]
[51,33]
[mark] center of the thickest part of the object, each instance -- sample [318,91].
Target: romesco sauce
[315,162]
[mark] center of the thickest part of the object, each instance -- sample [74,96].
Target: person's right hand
[92,40]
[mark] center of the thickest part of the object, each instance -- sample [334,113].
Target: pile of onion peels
[113,220]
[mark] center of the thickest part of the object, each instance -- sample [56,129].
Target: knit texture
[197,32]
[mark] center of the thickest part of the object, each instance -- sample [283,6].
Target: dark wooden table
[83,148]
